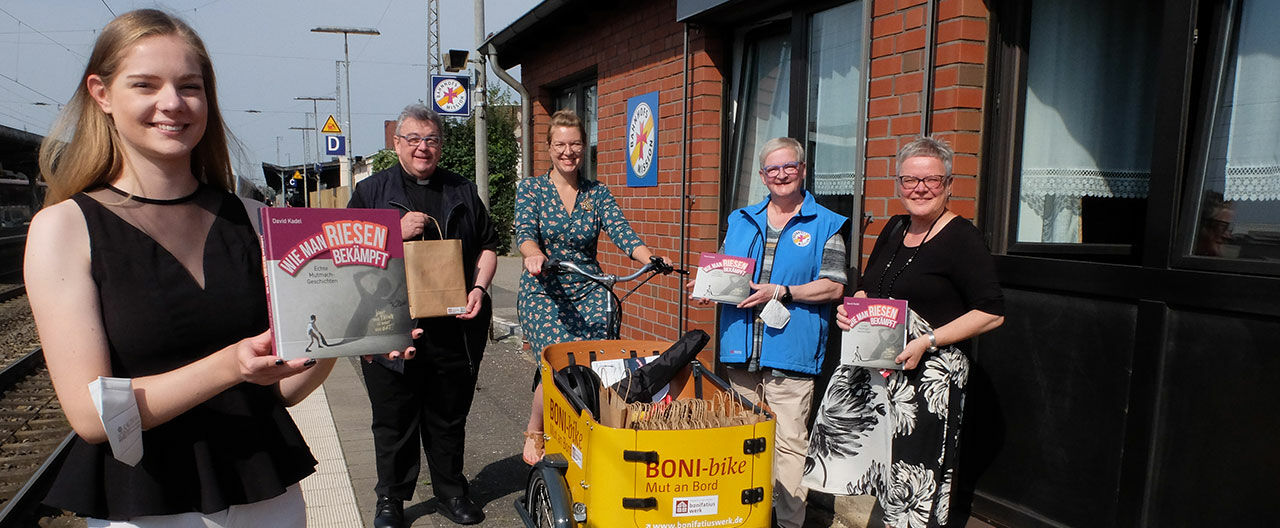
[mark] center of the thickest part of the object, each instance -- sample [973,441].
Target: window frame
[1218,26]
[794,22]
[1011,93]
[1184,56]
[578,86]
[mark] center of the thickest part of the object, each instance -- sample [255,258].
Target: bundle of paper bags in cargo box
[641,398]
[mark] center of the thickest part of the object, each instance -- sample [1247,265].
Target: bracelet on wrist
[933,342]
[481,288]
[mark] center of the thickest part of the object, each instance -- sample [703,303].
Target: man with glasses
[427,399]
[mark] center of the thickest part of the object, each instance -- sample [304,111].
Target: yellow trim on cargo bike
[598,476]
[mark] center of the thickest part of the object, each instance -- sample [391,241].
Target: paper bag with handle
[433,275]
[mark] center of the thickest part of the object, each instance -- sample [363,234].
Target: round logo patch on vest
[801,238]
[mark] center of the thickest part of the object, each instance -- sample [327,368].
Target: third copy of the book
[723,278]
[335,281]
[878,332]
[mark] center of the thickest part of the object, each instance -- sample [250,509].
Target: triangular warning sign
[331,127]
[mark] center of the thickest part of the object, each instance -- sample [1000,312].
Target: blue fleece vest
[797,260]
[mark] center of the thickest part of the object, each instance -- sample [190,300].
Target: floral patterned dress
[559,308]
[896,436]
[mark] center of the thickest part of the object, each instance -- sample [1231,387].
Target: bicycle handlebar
[655,264]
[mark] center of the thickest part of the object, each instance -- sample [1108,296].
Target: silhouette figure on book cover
[317,337]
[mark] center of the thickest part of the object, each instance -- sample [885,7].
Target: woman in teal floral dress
[559,216]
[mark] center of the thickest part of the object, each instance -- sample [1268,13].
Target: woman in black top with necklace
[894,433]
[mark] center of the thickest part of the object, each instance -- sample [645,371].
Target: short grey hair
[927,147]
[420,112]
[781,143]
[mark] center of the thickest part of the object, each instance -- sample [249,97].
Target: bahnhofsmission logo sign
[642,140]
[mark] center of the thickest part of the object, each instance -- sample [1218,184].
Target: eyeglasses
[791,167]
[930,182]
[1217,226]
[414,141]
[576,146]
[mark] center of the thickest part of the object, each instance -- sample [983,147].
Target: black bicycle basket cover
[581,386]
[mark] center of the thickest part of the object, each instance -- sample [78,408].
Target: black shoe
[460,510]
[389,513]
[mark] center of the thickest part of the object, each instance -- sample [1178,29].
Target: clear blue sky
[264,55]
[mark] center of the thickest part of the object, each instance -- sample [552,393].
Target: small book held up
[878,332]
[723,278]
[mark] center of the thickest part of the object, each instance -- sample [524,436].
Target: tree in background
[459,156]
[382,160]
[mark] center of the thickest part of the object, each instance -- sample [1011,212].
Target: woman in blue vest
[799,250]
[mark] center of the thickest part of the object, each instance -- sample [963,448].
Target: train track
[33,430]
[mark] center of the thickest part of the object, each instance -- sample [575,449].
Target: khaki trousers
[790,400]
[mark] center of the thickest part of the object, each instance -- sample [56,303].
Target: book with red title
[723,278]
[335,281]
[877,334]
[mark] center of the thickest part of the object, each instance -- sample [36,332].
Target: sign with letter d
[335,145]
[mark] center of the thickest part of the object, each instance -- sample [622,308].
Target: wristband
[481,288]
[933,342]
[786,295]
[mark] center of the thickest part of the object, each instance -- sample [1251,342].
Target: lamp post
[315,111]
[346,59]
[478,103]
[305,195]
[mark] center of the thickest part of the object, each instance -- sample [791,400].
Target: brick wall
[897,76]
[634,51]
[638,50]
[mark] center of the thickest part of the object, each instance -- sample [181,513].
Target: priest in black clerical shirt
[425,401]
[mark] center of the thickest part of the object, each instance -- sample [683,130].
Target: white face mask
[774,314]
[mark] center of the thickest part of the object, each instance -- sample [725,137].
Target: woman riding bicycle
[560,216]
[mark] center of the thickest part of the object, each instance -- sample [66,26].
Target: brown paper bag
[613,409]
[433,275]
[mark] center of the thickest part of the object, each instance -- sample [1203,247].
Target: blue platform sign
[335,145]
[642,140]
[450,95]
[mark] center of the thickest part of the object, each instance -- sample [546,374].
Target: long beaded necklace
[894,255]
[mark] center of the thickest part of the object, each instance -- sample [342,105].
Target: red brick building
[1118,155]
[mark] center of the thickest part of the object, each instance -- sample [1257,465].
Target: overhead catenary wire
[41,33]
[37,92]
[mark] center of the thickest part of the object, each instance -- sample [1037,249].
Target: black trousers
[428,403]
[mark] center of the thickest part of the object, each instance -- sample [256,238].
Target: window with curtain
[1086,138]
[581,98]
[763,97]
[830,102]
[835,127]
[1237,203]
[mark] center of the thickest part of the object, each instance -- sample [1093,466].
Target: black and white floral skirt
[894,437]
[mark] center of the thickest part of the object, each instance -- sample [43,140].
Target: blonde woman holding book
[144,266]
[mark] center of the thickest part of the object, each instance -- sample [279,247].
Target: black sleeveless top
[240,446]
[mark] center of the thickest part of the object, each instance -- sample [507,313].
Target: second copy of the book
[723,278]
[335,281]
[878,332]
